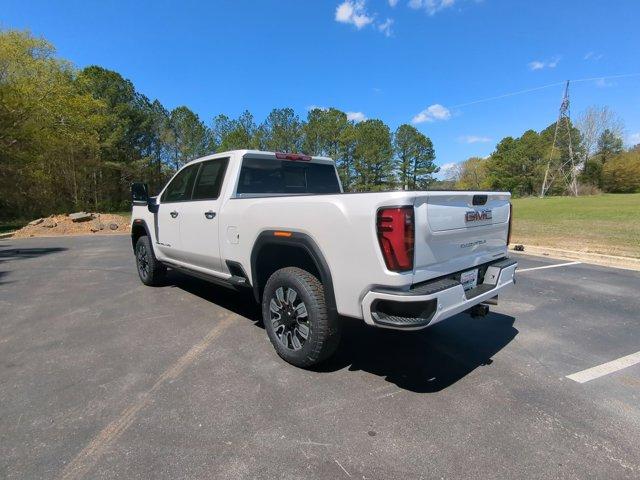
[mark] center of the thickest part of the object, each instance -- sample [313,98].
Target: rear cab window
[286,177]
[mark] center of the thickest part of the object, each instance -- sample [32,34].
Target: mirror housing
[139,193]
[152,204]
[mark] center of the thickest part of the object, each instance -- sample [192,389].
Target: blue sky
[402,61]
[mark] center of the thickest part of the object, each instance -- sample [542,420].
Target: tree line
[519,164]
[75,139]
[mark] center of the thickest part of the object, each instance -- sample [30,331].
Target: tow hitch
[480,310]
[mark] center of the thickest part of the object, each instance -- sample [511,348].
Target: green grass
[608,224]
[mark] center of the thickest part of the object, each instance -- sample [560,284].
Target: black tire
[323,328]
[150,270]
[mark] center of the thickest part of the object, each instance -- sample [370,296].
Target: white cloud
[603,83]
[353,12]
[316,107]
[536,65]
[356,116]
[473,139]
[553,63]
[431,6]
[393,3]
[593,56]
[432,113]
[447,171]
[633,139]
[541,64]
[385,27]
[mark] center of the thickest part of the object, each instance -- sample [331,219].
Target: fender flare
[298,240]
[139,222]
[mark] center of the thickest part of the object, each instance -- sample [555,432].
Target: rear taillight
[510,217]
[395,228]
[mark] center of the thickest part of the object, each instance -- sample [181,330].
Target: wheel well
[272,257]
[137,231]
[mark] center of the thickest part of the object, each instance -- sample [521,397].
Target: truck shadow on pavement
[10,254]
[424,361]
[427,360]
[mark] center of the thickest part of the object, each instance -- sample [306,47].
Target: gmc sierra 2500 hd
[280,225]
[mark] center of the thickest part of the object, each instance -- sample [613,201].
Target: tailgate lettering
[472,244]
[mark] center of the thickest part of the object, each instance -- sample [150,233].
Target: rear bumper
[431,302]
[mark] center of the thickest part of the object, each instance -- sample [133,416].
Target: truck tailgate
[457,230]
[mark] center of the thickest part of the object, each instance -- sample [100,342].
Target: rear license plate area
[469,279]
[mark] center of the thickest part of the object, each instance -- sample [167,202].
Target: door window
[180,188]
[210,179]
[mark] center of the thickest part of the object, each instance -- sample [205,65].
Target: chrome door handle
[210,214]
[173,214]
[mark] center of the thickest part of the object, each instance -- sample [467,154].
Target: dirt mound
[89,223]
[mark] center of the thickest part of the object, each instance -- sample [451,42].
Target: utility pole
[566,169]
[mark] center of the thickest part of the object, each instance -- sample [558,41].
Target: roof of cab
[255,153]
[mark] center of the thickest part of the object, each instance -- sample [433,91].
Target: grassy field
[608,224]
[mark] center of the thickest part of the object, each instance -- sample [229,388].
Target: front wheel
[296,319]
[150,270]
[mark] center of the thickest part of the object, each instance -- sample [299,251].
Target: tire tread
[156,269]
[326,326]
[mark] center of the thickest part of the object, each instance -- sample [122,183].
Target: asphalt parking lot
[102,377]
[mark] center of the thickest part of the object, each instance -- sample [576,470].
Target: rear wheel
[150,270]
[296,319]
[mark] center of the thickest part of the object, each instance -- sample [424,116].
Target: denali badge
[472,244]
[477,215]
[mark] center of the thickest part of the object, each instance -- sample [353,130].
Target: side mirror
[139,193]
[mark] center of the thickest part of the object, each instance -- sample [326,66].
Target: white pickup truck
[280,225]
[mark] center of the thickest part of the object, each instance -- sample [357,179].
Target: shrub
[592,173]
[621,174]
[588,189]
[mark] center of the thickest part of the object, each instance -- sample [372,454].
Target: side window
[210,179]
[181,186]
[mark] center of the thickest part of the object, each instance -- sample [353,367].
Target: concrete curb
[627,263]
[6,235]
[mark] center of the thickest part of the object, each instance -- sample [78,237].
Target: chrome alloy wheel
[142,258]
[289,318]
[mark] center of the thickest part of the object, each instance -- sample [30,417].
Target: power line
[534,89]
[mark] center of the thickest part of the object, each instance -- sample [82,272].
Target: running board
[234,282]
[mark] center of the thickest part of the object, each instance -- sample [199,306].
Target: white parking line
[605,368]
[547,266]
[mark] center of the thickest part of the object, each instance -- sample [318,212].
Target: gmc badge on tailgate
[478,215]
